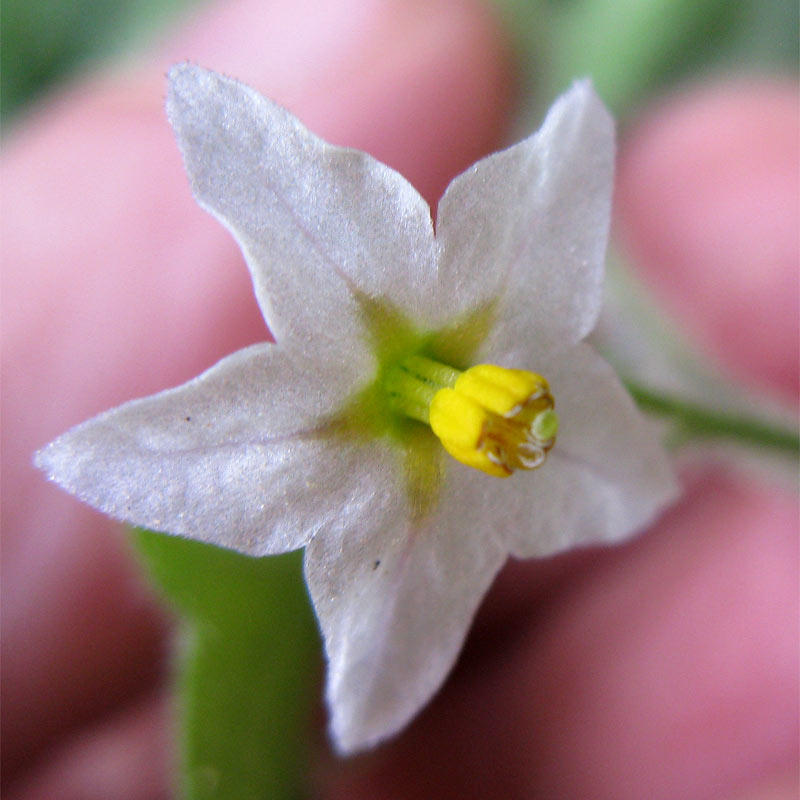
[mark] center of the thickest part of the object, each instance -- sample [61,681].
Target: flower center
[491,418]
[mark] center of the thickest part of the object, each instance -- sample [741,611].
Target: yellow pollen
[495,419]
[491,418]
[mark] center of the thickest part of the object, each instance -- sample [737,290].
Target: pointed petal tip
[582,92]
[52,460]
[189,86]
[349,739]
[582,101]
[584,84]
[343,744]
[179,75]
[43,459]
[188,77]
[186,71]
[583,87]
[38,457]
[175,71]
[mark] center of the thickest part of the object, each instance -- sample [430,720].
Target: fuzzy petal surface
[395,603]
[607,476]
[243,456]
[529,227]
[322,228]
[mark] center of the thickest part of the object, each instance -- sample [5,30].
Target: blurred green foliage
[42,41]
[630,47]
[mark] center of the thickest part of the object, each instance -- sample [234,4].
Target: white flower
[302,443]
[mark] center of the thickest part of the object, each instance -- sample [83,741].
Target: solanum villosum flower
[428,407]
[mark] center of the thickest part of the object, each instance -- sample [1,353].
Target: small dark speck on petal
[376,564]
[188,419]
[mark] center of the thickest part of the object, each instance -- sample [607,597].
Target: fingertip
[707,205]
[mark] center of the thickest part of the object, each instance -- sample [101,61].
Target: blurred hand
[664,668]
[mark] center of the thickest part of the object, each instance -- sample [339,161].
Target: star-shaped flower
[324,440]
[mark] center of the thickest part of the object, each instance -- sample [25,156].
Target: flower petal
[322,227]
[243,456]
[529,226]
[607,476]
[395,603]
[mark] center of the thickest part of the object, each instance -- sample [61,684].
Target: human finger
[708,199]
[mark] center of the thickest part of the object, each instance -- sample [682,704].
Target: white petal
[395,603]
[240,456]
[607,476]
[529,226]
[320,226]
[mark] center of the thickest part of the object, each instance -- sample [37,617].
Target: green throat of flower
[491,418]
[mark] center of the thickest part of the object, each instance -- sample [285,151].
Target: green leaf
[634,48]
[46,41]
[628,46]
[246,667]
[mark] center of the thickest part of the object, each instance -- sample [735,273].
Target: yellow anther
[496,419]
[491,418]
[502,390]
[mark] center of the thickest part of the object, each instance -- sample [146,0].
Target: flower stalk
[699,422]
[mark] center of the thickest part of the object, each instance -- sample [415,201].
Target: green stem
[246,671]
[700,422]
